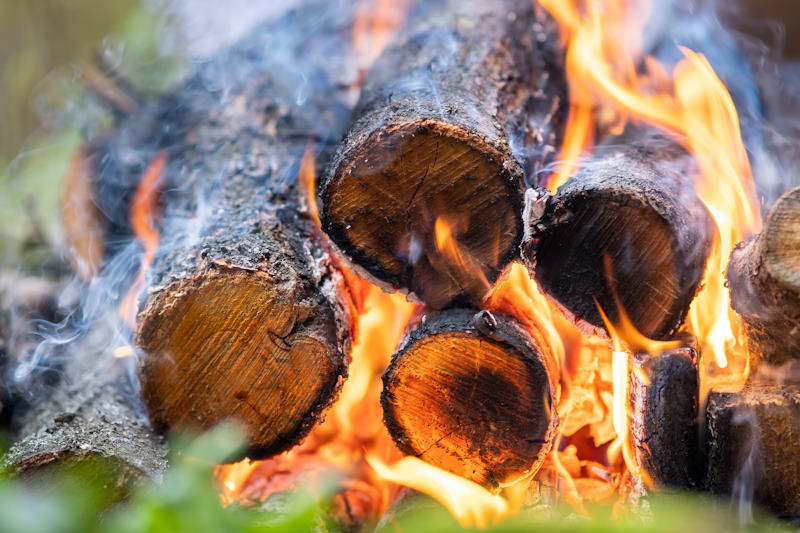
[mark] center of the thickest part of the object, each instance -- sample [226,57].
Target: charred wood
[441,111]
[751,441]
[664,417]
[93,417]
[244,315]
[628,222]
[764,278]
[473,394]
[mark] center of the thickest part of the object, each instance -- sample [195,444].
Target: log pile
[245,312]
[440,113]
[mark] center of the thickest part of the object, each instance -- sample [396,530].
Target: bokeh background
[44,47]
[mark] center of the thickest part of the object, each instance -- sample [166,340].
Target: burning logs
[431,147]
[244,316]
[93,418]
[664,418]
[752,439]
[628,222]
[473,394]
[764,277]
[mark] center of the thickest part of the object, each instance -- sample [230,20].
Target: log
[664,417]
[752,446]
[764,279]
[467,98]
[244,314]
[31,307]
[628,222]
[473,394]
[93,419]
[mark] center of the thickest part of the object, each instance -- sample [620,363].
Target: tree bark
[467,98]
[93,417]
[664,417]
[244,315]
[628,222]
[764,278]
[752,446]
[473,394]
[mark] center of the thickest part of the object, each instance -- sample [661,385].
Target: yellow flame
[625,335]
[469,503]
[121,352]
[380,325]
[518,295]
[604,48]
[457,257]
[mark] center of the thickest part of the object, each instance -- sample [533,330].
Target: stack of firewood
[246,315]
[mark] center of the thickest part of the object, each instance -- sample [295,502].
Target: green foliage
[44,106]
[78,500]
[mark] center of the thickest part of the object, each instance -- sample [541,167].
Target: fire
[604,48]
[455,255]
[593,448]
[353,429]
[468,502]
[144,212]
[374,24]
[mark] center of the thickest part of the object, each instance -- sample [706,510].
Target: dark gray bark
[468,97]
[764,277]
[243,316]
[664,417]
[752,446]
[93,416]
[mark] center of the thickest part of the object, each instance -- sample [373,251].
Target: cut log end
[764,277]
[382,204]
[275,362]
[628,222]
[780,253]
[481,407]
[752,450]
[596,242]
[664,418]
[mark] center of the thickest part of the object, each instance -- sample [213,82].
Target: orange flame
[455,255]
[374,24]
[144,212]
[353,427]
[604,48]
[307,178]
[469,503]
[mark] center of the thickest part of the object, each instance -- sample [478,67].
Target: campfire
[506,254]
